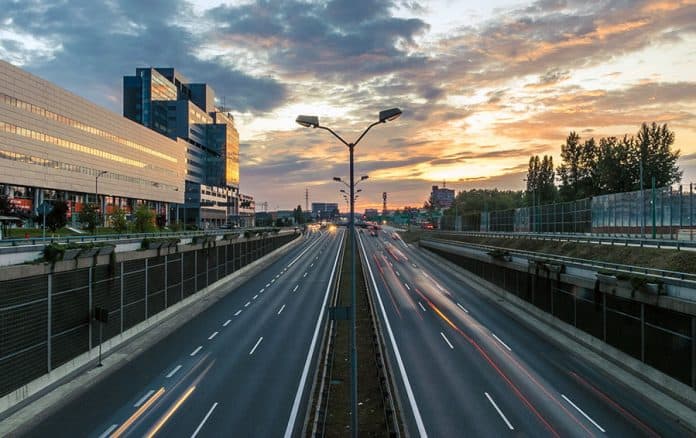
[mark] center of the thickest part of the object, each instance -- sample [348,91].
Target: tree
[541,188]
[118,220]
[161,221]
[89,217]
[613,173]
[577,169]
[6,207]
[298,215]
[58,216]
[144,219]
[654,154]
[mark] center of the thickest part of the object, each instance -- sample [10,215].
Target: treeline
[611,165]
[588,168]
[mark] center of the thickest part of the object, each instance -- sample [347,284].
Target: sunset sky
[482,85]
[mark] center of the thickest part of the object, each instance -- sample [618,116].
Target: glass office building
[165,101]
[56,145]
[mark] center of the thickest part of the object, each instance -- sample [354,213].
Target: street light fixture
[313,122]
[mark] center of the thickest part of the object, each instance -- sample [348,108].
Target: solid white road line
[150,392]
[447,340]
[500,340]
[397,354]
[407,286]
[583,413]
[462,307]
[200,426]
[171,373]
[238,312]
[247,304]
[421,306]
[295,288]
[195,352]
[108,431]
[257,344]
[490,399]
[255,297]
[289,429]
[227,323]
[281,309]
[212,336]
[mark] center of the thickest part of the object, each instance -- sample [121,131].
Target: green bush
[118,220]
[53,252]
[144,219]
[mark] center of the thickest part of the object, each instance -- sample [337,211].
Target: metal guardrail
[16,242]
[579,238]
[578,262]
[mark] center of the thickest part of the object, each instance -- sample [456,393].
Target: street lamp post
[96,192]
[313,122]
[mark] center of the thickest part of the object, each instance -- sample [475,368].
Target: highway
[243,367]
[465,367]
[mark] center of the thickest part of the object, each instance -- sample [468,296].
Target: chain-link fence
[45,320]
[666,213]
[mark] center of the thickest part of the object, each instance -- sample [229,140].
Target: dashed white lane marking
[150,392]
[171,373]
[295,288]
[305,274]
[210,338]
[397,273]
[195,352]
[421,306]
[462,307]
[407,286]
[447,340]
[272,280]
[261,291]
[501,341]
[108,431]
[255,297]
[227,323]
[200,426]
[247,304]
[257,344]
[583,413]
[490,399]
[237,313]
[312,265]
[268,284]
[281,309]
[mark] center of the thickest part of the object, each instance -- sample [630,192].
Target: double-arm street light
[313,122]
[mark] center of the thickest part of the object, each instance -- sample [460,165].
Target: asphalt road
[465,367]
[240,368]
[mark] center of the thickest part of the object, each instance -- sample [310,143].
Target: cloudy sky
[482,84]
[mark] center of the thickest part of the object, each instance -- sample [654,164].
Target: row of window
[67,144]
[38,161]
[43,112]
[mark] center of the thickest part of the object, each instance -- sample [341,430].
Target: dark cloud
[339,39]
[100,41]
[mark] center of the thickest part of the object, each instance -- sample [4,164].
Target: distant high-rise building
[163,100]
[442,197]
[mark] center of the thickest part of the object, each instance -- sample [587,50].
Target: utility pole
[306,199]
[384,203]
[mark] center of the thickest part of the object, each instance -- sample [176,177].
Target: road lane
[252,393]
[525,374]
